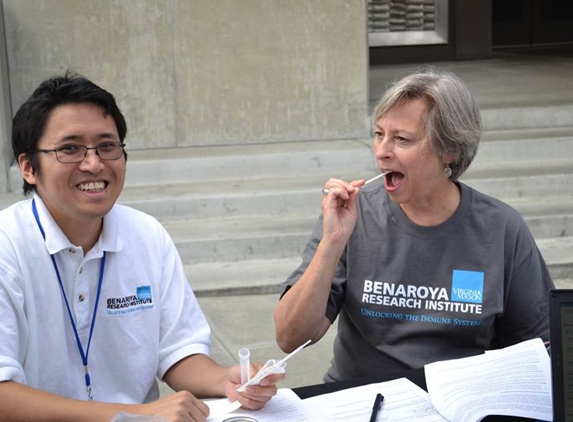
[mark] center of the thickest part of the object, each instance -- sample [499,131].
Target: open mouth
[92,186]
[394,179]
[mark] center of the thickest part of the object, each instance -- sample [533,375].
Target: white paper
[403,401]
[220,407]
[514,381]
[285,406]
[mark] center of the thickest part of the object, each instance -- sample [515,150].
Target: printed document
[514,381]
[403,401]
[286,406]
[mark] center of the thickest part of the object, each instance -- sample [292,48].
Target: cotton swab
[325,191]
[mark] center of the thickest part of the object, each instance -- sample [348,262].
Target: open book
[514,381]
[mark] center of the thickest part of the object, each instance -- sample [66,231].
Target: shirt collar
[56,241]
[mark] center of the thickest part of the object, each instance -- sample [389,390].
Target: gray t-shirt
[406,295]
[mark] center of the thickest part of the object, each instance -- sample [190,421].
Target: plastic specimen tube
[245,363]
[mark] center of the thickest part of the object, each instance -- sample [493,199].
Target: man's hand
[178,407]
[255,396]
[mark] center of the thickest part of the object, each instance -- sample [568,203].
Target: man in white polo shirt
[94,302]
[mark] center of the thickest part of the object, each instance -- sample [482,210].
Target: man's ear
[26,169]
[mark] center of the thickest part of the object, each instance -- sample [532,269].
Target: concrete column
[473,29]
[204,72]
[5,113]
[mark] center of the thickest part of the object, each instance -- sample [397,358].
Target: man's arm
[19,402]
[203,377]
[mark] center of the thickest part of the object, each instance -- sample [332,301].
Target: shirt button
[81,270]
[81,298]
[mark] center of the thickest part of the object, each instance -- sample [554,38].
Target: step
[301,194]
[226,198]
[240,238]
[233,215]
[265,276]
[257,276]
[563,283]
[544,208]
[504,117]
[244,162]
[547,217]
[159,175]
[497,148]
[524,179]
[250,237]
[247,162]
[321,159]
[558,253]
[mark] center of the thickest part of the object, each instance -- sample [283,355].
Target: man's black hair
[30,120]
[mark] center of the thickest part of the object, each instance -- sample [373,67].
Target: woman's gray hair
[453,121]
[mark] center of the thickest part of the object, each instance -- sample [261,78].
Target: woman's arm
[301,313]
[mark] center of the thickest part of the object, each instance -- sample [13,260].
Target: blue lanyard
[78,342]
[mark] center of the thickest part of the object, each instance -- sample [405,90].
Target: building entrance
[531,23]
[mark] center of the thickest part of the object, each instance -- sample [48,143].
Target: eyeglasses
[73,153]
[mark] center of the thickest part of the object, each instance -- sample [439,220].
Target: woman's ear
[449,159]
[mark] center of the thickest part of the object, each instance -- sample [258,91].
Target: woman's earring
[447,171]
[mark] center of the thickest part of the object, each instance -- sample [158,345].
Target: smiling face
[77,195]
[417,182]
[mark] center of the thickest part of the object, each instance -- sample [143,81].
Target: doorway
[531,23]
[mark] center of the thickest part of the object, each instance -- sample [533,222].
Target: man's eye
[70,149]
[106,146]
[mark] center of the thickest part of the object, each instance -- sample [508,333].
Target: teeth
[93,186]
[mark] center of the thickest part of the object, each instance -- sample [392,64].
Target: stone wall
[203,72]
[5,115]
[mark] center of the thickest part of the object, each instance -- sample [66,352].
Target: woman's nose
[382,148]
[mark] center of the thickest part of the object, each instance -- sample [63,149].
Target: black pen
[376,407]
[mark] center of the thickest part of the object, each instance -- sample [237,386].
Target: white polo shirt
[147,319]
